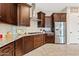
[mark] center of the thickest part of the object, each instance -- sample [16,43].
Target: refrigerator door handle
[70,32]
[57,29]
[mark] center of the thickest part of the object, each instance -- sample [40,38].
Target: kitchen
[28,26]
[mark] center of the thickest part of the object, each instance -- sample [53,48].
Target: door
[73,28]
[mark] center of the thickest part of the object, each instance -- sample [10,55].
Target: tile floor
[55,50]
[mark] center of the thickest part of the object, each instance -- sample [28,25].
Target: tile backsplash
[4,28]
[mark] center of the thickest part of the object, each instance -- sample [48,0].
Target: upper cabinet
[16,14]
[24,14]
[59,17]
[8,13]
[41,17]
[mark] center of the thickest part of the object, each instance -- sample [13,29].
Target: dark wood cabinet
[59,17]
[7,50]
[24,14]
[41,17]
[8,13]
[49,39]
[24,45]
[15,13]
[19,47]
[28,44]
[52,23]
[38,40]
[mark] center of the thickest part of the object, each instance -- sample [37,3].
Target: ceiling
[54,7]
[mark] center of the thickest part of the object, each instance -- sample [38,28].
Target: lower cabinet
[22,45]
[38,40]
[19,47]
[49,39]
[7,50]
[28,44]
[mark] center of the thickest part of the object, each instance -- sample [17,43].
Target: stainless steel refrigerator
[60,32]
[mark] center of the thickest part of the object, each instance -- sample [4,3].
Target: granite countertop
[16,37]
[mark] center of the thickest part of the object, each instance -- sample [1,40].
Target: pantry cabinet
[41,17]
[7,50]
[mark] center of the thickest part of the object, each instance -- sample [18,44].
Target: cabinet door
[12,17]
[60,17]
[7,50]
[63,17]
[41,17]
[8,13]
[44,35]
[24,15]
[43,20]
[49,39]
[38,41]
[28,43]
[19,48]
[57,17]
[3,10]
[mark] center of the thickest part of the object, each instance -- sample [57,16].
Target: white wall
[54,7]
